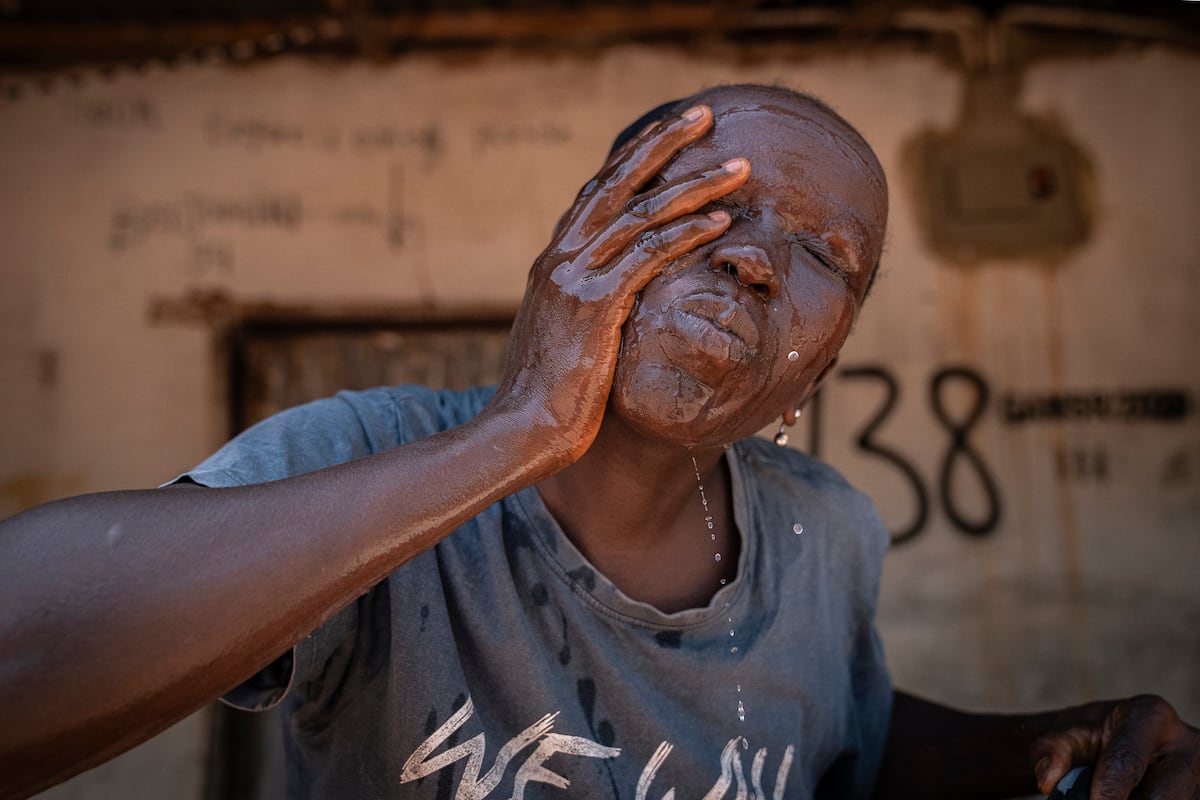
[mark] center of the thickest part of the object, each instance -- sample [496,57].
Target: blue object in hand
[1074,785]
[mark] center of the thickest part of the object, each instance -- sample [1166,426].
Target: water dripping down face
[730,334]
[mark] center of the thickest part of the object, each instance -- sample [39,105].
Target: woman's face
[705,353]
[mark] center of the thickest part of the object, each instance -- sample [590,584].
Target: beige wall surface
[431,184]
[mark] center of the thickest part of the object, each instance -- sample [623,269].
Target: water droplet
[745,742]
[710,526]
[733,649]
[741,714]
[797,529]
[717,557]
[723,581]
[739,688]
[793,356]
[731,631]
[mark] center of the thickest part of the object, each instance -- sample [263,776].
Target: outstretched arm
[938,752]
[122,612]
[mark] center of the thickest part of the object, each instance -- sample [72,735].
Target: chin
[670,406]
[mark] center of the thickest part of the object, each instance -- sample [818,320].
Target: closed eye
[820,250]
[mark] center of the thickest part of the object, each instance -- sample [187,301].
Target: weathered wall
[432,184]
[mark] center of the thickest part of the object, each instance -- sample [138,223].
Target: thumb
[1050,769]
[1055,753]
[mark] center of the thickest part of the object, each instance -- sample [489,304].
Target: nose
[749,264]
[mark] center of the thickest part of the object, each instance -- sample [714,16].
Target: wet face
[705,356]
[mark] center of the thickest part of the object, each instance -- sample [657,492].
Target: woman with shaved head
[589,581]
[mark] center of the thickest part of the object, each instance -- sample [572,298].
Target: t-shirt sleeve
[293,442]
[299,440]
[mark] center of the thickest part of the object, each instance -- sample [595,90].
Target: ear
[790,416]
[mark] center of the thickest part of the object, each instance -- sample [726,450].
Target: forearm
[122,612]
[935,752]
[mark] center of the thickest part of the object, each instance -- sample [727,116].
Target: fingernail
[719,216]
[736,165]
[1039,770]
[694,113]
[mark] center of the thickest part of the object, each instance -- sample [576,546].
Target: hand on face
[1140,748]
[615,237]
[742,329]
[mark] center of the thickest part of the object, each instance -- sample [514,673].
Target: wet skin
[782,263]
[609,244]
[704,357]
[128,610]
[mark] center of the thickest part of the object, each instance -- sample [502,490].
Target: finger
[651,152]
[698,117]
[629,169]
[632,142]
[664,204]
[646,257]
[1135,739]
[1173,777]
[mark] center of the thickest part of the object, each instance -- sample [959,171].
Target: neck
[632,506]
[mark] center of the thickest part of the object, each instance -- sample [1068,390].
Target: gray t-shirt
[501,664]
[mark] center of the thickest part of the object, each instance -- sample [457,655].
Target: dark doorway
[276,364]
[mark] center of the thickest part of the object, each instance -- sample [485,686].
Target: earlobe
[792,415]
[820,379]
[810,390]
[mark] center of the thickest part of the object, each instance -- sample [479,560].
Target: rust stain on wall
[1068,519]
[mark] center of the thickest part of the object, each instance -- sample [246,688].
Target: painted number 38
[959,460]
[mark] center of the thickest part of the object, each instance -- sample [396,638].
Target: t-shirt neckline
[573,568]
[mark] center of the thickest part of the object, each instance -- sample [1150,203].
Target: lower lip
[687,337]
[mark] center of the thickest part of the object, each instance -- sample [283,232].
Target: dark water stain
[373,649]
[445,785]
[586,689]
[605,733]
[564,655]
[602,731]
[424,616]
[585,576]
[539,594]
[669,639]
[516,533]
[431,722]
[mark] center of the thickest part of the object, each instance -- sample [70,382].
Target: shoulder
[334,430]
[391,415]
[787,484]
[797,473]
